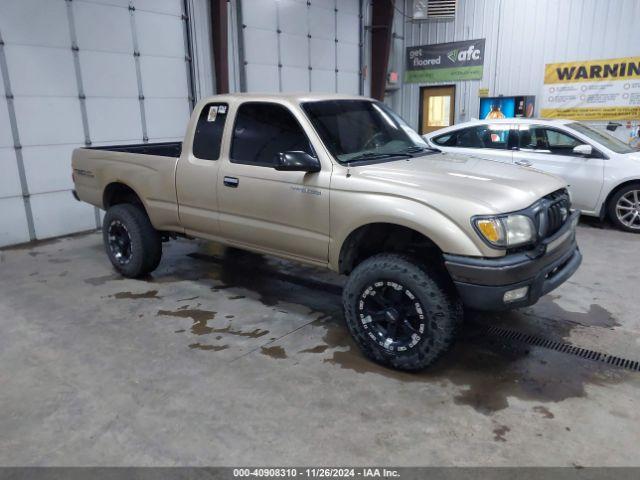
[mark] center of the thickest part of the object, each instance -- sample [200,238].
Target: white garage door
[79,72]
[301,46]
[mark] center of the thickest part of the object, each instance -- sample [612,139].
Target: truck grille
[556,211]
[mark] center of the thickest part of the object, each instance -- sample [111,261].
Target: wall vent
[434,9]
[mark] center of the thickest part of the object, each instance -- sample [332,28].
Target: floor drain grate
[564,348]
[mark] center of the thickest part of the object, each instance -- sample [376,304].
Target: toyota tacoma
[342,182]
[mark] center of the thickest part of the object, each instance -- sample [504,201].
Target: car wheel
[132,244]
[401,314]
[624,208]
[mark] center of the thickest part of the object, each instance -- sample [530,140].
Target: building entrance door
[436,108]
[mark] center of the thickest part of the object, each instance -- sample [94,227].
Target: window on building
[262,131]
[209,129]
[434,9]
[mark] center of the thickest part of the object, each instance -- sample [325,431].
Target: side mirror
[297,162]
[585,150]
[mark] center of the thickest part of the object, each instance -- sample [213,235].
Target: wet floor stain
[486,370]
[499,433]
[235,269]
[214,348]
[59,260]
[316,349]
[255,333]
[201,326]
[101,280]
[133,296]
[276,352]
[199,317]
[562,321]
[544,411]
[236,297]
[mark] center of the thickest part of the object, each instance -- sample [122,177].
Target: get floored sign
[445,62]
[592,90]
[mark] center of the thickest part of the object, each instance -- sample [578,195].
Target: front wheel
[400,314]
[132,244]
[624,208]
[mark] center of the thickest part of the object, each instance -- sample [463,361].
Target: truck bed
[163,149]
[148,169]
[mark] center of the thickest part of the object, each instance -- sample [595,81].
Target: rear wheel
[624,208]
[401,315]
[132,244]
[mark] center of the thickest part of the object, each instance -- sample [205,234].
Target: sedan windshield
[604,139]
[362,130]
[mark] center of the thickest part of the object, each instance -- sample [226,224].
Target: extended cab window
[262,130]
[208,135]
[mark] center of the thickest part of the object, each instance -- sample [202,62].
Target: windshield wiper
[377,156]
[418,149]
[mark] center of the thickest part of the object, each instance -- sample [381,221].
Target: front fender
[351,210]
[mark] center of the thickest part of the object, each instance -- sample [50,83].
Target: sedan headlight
[506,231]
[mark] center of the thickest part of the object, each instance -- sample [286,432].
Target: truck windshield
[609,141]
[362,130]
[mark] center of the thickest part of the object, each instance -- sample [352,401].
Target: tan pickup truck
[344,183]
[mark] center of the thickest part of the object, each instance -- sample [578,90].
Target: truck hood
[493,187]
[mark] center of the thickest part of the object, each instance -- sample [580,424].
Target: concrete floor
[235,359]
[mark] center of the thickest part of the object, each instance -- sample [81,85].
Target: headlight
[507,231]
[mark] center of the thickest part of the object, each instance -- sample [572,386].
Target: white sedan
[603,172]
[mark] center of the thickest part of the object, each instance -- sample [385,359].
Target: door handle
[523,163]
[232,182]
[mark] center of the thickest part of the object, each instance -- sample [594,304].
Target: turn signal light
[491,229]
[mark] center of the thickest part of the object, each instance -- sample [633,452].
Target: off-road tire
[441,305]
[146,244]
[611,207]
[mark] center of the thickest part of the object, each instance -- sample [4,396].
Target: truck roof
[292,97]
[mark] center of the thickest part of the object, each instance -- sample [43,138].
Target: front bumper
[483,282]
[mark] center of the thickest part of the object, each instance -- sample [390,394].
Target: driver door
[278,212]
[551,150]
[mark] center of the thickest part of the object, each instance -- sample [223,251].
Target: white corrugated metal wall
[298,45]
[99,71]
[521,37]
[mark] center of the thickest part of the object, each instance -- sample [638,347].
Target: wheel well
[605,204]
[117,193]
[376,238]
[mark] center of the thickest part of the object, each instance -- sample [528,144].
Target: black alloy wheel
[391,315]
[119,242]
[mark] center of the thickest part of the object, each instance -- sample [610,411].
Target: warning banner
[592,90]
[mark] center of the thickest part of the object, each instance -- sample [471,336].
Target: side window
[548,141]
[559,140]
[534,138]
[446,140]
[262,130]
[482,136]
[494,137]
[208,135]
[469,138]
